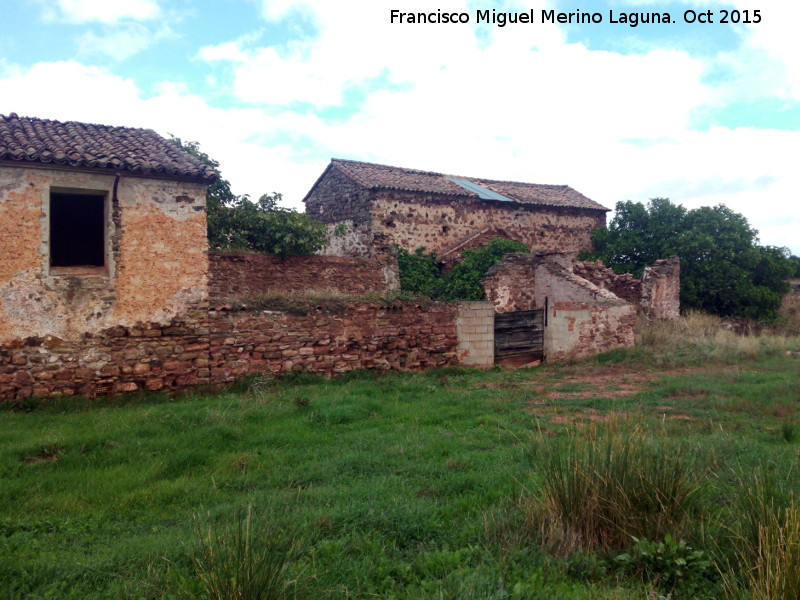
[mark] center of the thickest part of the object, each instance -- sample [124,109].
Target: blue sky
[702,113]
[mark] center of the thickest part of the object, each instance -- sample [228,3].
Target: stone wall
[216,347]
[509,284]
[154,253]
[582,319]
[338,199]
[236,276]
[438,222]
[624,286]
[408,337]
[661,289]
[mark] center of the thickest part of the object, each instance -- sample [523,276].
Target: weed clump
[601,491]
[244,561]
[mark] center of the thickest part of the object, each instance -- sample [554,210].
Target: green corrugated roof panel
[483,193]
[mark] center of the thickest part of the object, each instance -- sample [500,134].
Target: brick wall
[233,276]
[475,326]
[217,347]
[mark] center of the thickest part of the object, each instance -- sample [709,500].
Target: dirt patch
[606,382]
[601,382]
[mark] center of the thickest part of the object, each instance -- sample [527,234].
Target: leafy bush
[235,222]
[420,272]
[672,567]
[263,227]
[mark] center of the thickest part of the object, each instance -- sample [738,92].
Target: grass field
[668,470]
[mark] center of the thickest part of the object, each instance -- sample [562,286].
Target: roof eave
[110,171]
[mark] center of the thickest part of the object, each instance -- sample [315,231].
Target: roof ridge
[467,177]
[375,176]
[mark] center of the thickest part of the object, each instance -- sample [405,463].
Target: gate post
[475,327]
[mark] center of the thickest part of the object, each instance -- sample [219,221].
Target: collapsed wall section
[234,276]
[661,289]
[582,319]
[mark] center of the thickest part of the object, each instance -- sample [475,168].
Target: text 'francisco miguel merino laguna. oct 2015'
[578,17]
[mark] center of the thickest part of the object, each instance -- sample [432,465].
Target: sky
[701,112]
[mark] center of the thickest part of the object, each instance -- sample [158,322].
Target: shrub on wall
[420,272]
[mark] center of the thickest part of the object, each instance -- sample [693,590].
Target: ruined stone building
[369,207]
[547,303]
[99,226]
[107,285]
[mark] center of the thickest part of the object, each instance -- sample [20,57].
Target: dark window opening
[77,230]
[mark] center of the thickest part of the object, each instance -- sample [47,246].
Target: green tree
[723,269]
[420,272]
[796,262]
[235,222]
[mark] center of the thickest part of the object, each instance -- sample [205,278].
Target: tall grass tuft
[244,562]
[602,491]
[776,572]
[766,538]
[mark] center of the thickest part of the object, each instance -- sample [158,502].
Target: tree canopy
[420,272]
[236,222]
[723,268]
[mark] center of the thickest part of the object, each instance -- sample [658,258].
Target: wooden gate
[519,337]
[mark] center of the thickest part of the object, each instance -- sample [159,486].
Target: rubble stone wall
[509,284]
[661,289]
[438,222]
[216,347]
[155,259]
[624,286]
[337,199]
[234,276]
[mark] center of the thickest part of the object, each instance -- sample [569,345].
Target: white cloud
[101,11]
[513,103]
[122,42]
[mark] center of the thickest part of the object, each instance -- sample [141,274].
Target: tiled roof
[88,146]
[372,176]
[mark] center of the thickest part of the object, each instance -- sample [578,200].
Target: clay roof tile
[375,176]
[92,146]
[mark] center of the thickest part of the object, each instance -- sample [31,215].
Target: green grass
[392,486]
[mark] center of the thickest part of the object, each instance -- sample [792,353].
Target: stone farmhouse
[369,207]
[547,303]
[107,285]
